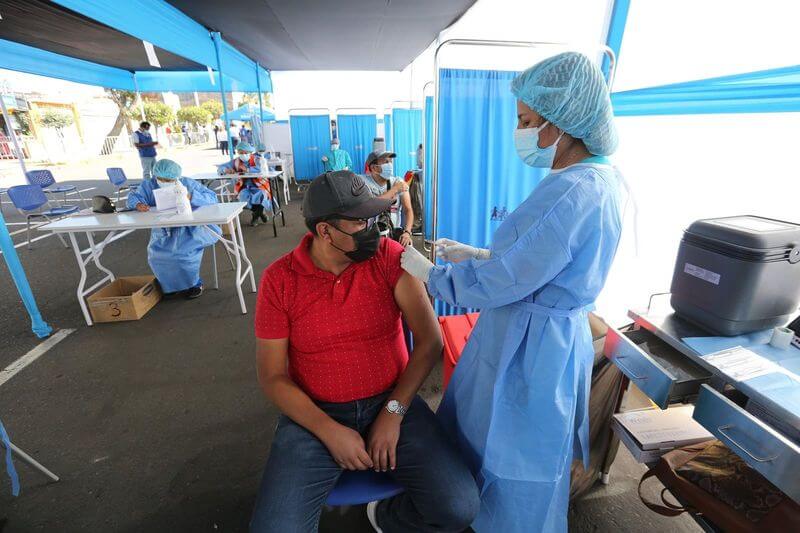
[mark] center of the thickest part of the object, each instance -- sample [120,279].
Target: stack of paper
[650,433]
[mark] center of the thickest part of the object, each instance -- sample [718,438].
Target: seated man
[336,159]
[256,192]
[381,181]
[331,356]
[175,254]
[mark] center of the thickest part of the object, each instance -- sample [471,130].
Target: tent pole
[39,326]
[215,36]
[258,84]
[139,97]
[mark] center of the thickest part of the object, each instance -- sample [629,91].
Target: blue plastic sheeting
[480,178]
[428,171]
[311,139]
[39,326]
[356,133]
[768,91]
[12,472]
[407,136]
[387,131]
[616,30]
[23,58]
[247,111]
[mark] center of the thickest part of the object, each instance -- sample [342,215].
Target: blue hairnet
[569,90]
[261,147]
[244,147]
[167,169]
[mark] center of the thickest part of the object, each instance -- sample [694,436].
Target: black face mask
[367,242]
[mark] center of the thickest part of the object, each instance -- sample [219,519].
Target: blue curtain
[387,131]
[767,91]
[481,179]
[356,133]
[311,139]
[428,171]
[407,136]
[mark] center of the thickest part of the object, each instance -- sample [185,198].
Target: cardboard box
[124,299]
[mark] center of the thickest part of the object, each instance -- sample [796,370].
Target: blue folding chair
[118,178]
[45,180]
[29,199]
[357,487]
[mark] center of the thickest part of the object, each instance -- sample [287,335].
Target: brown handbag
[714,482]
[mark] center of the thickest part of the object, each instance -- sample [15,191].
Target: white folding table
[121,224]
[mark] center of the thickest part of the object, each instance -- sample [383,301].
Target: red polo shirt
[345,334]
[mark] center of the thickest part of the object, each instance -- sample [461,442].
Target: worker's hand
[347,448]
[230,170]
[405,239]
[416,264]
[455,252]
[400,187]
[382,441]
[142,207]
[325,158]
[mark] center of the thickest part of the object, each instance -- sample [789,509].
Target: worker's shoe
[194,292]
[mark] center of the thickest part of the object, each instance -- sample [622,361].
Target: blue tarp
[356,133]
[311,138]
[246,112]
[767,91]
[407,136]
[481,179]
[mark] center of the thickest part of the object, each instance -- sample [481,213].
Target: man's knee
[458,508]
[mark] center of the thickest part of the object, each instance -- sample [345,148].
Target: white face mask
[334,147]
[386,170]
[167,184]
[526,141]
[244,158]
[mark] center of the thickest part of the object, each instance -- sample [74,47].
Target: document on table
[741,364]
[166,199]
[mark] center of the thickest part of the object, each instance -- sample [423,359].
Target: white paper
[740,364]
[655,428]
[152,58]
[166,199]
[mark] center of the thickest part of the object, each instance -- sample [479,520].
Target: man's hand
[230,170]
[347,448]
[405,239]
[382,442]
[142,207]
[400,187]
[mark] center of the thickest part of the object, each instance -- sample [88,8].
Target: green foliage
[158,113]
[213,107]
[194,115]
[24,121]
[57,119]
[126,101]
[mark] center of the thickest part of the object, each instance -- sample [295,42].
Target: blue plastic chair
[119,180]
[45,180]
[29,199]
[357,487]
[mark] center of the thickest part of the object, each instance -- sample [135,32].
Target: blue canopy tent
[247,112]
[311,137]
[60,40]
[356,133]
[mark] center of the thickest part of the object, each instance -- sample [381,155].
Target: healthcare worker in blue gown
[518,399]
[175,254]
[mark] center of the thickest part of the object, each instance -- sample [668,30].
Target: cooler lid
[749,231]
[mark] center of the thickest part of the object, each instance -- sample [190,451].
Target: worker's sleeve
[221,168]
[201,195]
[142,194]
[348,161]
[537,256]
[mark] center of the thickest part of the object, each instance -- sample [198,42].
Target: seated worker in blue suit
[175,254]
[255,191]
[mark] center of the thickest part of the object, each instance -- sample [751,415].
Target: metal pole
[215,36]
[139,97]
[260,103]
[13,135]
[477,42]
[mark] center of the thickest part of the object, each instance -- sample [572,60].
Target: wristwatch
[396,408]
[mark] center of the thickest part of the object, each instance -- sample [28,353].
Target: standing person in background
[233,136]
[383,184]
[216,135]
[147,149]
[336,159]
[223,141]
[243,134]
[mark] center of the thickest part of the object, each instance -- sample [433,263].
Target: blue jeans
[147,166]
[440,495]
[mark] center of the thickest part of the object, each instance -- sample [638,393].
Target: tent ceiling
[327,35]
[50,27]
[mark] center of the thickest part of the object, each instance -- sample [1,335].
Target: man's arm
[345,445]
[410,295]
[408,215]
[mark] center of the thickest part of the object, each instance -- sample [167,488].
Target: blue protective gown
[175,254]
[517,402]
[337,160]
[249,190]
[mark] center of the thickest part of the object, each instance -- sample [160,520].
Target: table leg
[235,235]
[243,252]
[214,265]
[30,461]
[82,282]
[96,252]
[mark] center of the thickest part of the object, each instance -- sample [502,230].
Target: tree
[197,116]
[56,119]
[213,107]
[158,113]
[126,103]
[252,98]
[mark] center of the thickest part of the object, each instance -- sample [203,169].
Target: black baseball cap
[341,193]
[374,156]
